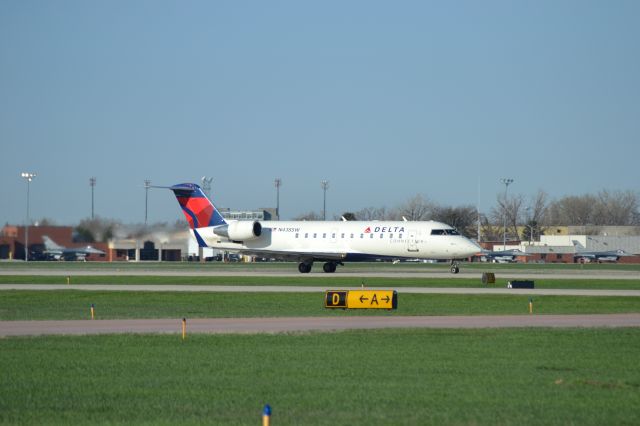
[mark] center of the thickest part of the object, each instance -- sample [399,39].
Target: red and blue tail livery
[197,208]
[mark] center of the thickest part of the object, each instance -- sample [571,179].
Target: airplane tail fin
[579,247]
[49,244]
[199,211]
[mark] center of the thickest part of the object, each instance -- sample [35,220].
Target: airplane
[584,256]
[57,252]
[504,256]
[331,242]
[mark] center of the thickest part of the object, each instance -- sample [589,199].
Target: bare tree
[605,208]
[372,213]
[416,208]
[508,212]
[615,208]
[463,218]
[309,216]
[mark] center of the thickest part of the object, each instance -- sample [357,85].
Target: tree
[349,216]
[309,216]
[508,213]
[605,208]
[463,218]
[372,213]
[416,208]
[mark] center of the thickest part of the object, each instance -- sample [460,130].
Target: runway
[314,289]
[386,271]
[308,324]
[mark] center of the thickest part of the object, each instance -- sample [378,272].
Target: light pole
[28,177]
[506,182]
[324,185]
[92,184]
[147,184]
[278,183]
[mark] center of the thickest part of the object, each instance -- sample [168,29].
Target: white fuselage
[353,240]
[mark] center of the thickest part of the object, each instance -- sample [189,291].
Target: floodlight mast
[28,177]
[92,184]
[147,184]
[277,183]
[324,185]
[506,182]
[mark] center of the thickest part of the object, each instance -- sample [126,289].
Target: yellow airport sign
[336,299]
[361,299]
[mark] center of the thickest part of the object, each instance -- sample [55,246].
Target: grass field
[70,304]
[487,376]
[332,280]
[504,377]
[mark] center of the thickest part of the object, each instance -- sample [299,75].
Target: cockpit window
[444,232]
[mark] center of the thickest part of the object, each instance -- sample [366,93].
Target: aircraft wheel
[304,268]
[454,269]
[329,267]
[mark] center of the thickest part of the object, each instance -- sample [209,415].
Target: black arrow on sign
[362,299]
[386,299]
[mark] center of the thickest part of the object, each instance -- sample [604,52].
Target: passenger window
[390,235]
[315,235]
[306,235]
[351,235]
[324,235]
[371,235]
[296,235]
[333,235]
[342,236]
[361,235]
[400,236]
[381,235]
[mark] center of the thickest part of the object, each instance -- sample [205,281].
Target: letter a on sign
[374,299]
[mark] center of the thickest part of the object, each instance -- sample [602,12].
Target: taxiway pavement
[307,324]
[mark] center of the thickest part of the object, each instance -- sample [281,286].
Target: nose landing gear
[454,267]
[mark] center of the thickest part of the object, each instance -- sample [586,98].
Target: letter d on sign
[335,299]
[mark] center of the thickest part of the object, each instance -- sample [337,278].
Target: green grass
[332,280]
[42,305]
[480,377]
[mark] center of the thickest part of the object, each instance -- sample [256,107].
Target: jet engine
[239,230]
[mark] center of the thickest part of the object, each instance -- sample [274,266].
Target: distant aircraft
[331,242]
[504,256]
[583,255]
[58,252]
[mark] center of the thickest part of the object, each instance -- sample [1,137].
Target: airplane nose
[471,248]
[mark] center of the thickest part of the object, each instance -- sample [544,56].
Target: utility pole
[28,177]
[278,183]
[92,184]
[506,182]
[147,184]
[325,185]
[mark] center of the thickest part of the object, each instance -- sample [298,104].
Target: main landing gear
[328,267]
[454,267]
[305,267]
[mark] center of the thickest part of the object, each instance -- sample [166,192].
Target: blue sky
[385,100]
